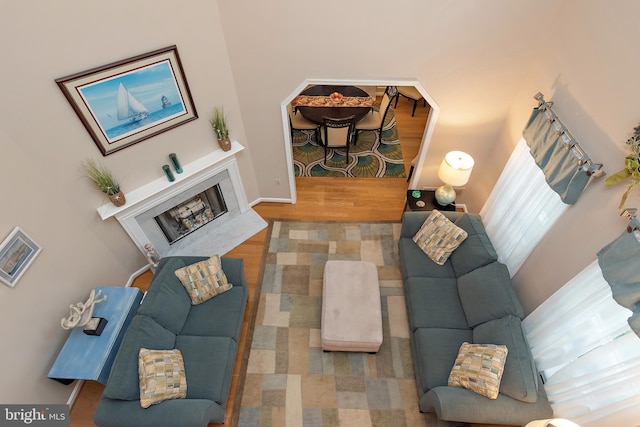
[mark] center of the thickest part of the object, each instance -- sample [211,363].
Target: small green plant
[219,123]
[101,177]
[631,166]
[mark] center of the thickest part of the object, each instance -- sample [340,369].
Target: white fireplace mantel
[235,226]
[139,196]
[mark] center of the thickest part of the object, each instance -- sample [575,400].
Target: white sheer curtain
[587,353]
[520,209]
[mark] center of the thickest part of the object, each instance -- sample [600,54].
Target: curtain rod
[592,169]
[634,223]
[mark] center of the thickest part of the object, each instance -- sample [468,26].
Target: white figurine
[81,313]
[153,257]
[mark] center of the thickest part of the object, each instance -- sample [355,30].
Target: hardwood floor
[357,199]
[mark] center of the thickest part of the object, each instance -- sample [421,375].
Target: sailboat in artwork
[129,107]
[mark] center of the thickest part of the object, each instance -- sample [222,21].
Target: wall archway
[426,137]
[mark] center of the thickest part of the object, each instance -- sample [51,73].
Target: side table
[425,201]
[89,357]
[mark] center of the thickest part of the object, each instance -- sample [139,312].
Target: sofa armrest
[459,404]
[234,270]
[177,412]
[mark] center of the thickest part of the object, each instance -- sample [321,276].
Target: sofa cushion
[439,237]
[476,250]
[219,316]
[208,363]
[436,350]
[519,379]
[166,300]
[479,367]
[486,294]
[204,280]
[415,263]
[162,377]
[142,332]
[434,303]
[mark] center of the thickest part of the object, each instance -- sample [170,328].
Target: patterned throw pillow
[438,237]
[478,368]
[204,280]
[162,376]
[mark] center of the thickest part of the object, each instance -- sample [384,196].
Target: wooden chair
[337,134]
[297,122]
[374,121]
[412,94]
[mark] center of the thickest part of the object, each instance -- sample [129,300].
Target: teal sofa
[469,298]
[207,336]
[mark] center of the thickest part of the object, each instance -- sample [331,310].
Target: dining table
[315,103]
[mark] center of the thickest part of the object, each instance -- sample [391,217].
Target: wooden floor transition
[357,199]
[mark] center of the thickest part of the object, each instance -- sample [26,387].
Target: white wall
[482,60]
[471,56]
[42,143]
[591,73]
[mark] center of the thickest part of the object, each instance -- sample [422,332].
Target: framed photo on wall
[128,101]
[17,252]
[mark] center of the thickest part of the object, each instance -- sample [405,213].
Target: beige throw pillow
[438,237]
[478,367]
[204,280]
[162,376]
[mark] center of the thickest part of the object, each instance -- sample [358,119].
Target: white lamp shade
[455,168]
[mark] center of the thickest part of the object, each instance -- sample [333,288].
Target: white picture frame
[17,252]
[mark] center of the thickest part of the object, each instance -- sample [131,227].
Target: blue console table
[89,357]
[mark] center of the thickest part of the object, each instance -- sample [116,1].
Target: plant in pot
[219,126]
[631,166]
[104,180]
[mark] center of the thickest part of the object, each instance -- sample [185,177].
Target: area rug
[370,157]
[289,380]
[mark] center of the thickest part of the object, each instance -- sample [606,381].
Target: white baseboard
[269,200]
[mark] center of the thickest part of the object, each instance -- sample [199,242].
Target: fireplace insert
[190,215]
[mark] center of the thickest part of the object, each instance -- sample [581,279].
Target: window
[520,209]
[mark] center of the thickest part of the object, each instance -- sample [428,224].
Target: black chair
[297,122]
[412,94]
[374,121]
[338,134]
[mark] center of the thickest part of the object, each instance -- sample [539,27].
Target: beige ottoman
[351,312]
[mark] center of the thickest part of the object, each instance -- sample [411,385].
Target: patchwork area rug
[289,380]
[371,157]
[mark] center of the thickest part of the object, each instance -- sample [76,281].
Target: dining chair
[338,134]
[412,94]
[297,122]
[374,121]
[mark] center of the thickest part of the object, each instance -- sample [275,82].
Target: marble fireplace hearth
[208,224]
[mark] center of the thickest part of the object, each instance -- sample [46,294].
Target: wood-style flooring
[357,199]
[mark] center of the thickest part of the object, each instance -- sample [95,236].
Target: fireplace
[188,216]
[203,212]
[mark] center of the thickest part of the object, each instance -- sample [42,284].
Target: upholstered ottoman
[351,312]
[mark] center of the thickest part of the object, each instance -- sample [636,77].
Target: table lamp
[454,170]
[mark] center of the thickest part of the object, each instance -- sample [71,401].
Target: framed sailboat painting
[125,102]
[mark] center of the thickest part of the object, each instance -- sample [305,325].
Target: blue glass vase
[175,162]
[168,173]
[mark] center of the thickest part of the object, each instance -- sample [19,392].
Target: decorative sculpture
[81,313]
[153,257]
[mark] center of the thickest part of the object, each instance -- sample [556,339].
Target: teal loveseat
[206,334]
[467,299]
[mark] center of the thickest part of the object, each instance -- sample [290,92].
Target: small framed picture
[17,252]
[125,102]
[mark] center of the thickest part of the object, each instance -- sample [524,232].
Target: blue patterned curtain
[619,262]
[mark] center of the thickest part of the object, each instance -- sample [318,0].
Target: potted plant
[104,180]
[631,166]
[219,126]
